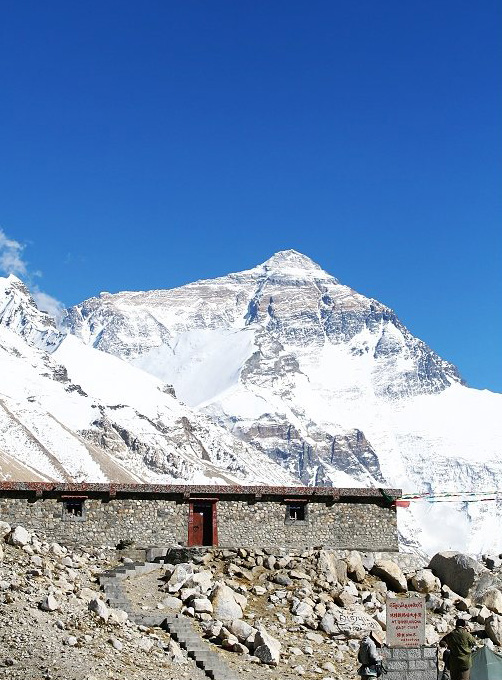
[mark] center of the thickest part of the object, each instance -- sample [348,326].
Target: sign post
[407,657]
[406,621]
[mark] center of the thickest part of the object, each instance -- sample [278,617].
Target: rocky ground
[47,631]
[272,617]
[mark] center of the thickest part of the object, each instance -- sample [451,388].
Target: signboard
[405,621]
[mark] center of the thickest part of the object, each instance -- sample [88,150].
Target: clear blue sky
[147,144]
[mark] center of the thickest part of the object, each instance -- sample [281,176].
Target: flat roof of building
[189,491]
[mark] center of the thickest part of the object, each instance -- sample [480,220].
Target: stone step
[194,648]
[221,675]
[120,604]
[179,626]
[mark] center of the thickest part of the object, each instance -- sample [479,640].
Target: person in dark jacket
[460,643]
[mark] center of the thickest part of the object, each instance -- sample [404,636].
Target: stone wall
[241,522]
[411,664]
[360,526]
[105,522]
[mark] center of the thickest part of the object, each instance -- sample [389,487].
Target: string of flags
[448,497]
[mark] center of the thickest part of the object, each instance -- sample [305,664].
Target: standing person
[369,656]
[460,643]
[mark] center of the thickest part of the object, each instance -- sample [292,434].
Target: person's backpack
[369,666]
[364,655]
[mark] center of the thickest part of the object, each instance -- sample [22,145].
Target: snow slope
[70,412]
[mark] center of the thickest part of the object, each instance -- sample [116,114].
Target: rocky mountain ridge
[71,413]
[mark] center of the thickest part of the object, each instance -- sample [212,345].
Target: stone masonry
[253,517]
[411,664]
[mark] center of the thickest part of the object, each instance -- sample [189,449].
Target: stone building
[288,518]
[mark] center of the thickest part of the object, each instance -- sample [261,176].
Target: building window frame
[296,512]
[74,508]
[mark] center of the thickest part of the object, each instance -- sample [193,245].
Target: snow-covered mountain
[69,412]
[326,382]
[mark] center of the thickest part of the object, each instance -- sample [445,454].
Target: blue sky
[145,145]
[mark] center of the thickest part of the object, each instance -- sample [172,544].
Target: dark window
[296,512]
[74,507]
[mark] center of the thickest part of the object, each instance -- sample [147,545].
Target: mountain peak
[290,259]
[293,263]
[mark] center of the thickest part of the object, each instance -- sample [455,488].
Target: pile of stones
[55,623]
[289,614]
[258,604]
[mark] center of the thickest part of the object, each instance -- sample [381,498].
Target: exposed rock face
[66,415]
[285,311]
[310,380]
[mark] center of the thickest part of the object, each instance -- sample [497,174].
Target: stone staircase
[180,627]
[210,661]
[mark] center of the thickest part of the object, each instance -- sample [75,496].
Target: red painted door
[198,528]
[195,527]
[202,524]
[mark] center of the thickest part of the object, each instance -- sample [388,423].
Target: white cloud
[47,303]
[12,262]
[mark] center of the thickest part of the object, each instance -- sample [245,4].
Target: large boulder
[267,648]
[456,570]
[333,569]
[355,567]
[202,605]
[485,582]
[202,579]
[172,603]
[302,609]
[49,604]
[19,537]
[99,607]
[225,606]
[352,624]
[391,573]
[181,574]
[424,581]
[328,625]
[492,600]
[344,599]
[493,628]
[242,630]
[117,617]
